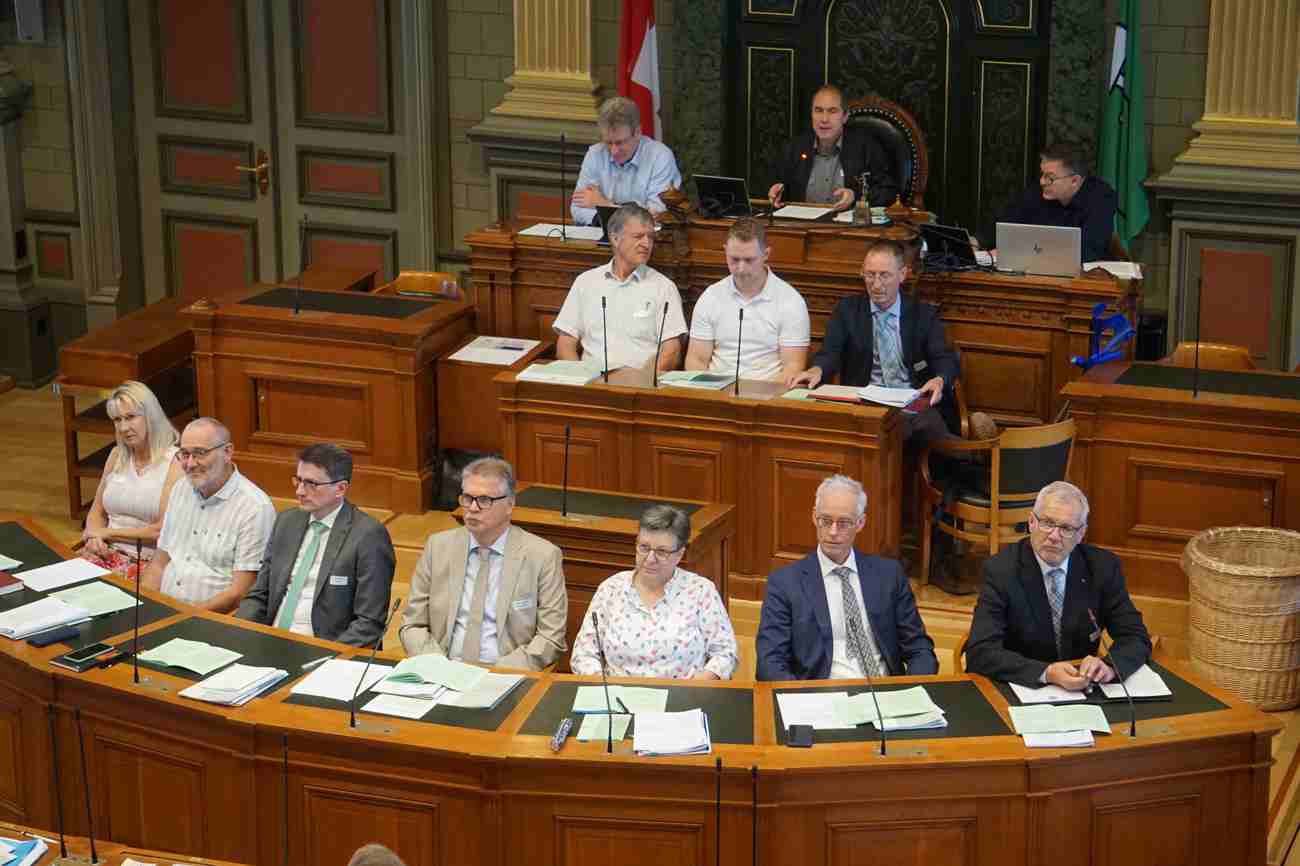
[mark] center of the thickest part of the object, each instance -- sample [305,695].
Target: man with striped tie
[328,569]
[1046,599]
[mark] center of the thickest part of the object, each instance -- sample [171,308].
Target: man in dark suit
[825,163]
[1046,599]
[328,569]
[1067,195]
[838,613]
[912,351]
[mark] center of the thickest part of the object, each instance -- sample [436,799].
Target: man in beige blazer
[516,618]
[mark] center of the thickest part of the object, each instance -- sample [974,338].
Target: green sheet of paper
[96,598]
[433,668]
[193,655]
[860,709]
[798,394]
[597,727]
[1051,719]
[637,699]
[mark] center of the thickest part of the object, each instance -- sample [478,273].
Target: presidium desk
[482,788]
[1016,333]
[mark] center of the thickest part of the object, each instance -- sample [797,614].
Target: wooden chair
[744,621]
[901,138]
[1022,461]
[1214,356]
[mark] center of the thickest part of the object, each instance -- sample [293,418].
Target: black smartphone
[83,659]
[799,736]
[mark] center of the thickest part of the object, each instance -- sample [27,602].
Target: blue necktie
[1056,598]
[887,350]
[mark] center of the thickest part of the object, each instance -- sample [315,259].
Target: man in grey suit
[516,617]
[328,569]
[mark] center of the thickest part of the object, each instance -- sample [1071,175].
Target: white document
[684,733]
[878,216]
[8,564]
[501,351]
[1048,694]
[40,615]
[597,727]
[919,722]
[489,692]
[802,212]
[811,708]
[192,655]
[131,861]
[1050,719]
[574,233]
[422,691]
[984,257]
[234,686]
[1123,270]
[337,679]
[1142,683]
[637,699]
[903,703]
[96,598]
[696,379]
[560,372]
[437,669]
[888,396]
[394,705]
[1062,740]
[60,574]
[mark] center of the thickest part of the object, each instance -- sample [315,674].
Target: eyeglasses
[660,552]
[1053,178]
[183,454]
[313,485]
[483,502]
[1050,526]
[840,524]
[877,276]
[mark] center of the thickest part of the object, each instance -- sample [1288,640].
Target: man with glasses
[328,569]
[1066,195]
[489,593]
[1046,599]
[838,613]
[216,526]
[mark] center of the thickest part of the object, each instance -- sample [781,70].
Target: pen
[314,662]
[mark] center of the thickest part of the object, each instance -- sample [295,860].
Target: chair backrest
[901,138]
[1214,356]
[744,621]
[1030,458]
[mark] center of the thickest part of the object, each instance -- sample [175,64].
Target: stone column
[552,77]
[27,350]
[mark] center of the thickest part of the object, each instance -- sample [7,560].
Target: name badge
[338,580]
[525,603]
[920,365]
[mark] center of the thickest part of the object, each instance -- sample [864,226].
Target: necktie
[862,645]
[470,652]
[299,579]
[885,336]
[1056,598]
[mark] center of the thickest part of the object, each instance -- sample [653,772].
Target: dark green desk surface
[348,303]
[969,714]
[478,720]
[1186,699]
[596,504]
[730,711]
[1249,384]
[258,648]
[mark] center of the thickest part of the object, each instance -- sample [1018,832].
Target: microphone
[717,814]
[564,479]
[302,263]
[284,751]
[740,328]
[58,790]
[564,211]
[604,339]
[659,344]
[609,708]
[85,787]
[875,700]
[1132,710]
[352,704]
[135,640]
[753,779]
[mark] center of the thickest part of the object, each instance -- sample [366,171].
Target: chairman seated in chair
[1033,614]
[1066,195]
[489,592]
[824,164]
[328,569]
[882,338]
[838,613]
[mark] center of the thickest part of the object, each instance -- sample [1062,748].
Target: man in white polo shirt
[216,526]
[773,337]
[633,295]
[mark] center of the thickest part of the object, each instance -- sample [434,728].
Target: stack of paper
[899,397]
[696,379]
[192,655]
[235,686]
[684,733]
[395,705]
[337,679]
[490,691]
[96,598]
[901,710]
[802,212]
[574,233]
[633,699]
[1142,683]
[597,727]
[811,708]
[437,670]
[60,574]
[40,615]
[501,351]
[23,852]
[1048,726]
[1048,694]
[560,373]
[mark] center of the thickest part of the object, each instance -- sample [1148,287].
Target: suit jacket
[532,607]
[1011,633]
[358,549]
[859,152]
[794,639]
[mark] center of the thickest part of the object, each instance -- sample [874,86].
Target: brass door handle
[261,171]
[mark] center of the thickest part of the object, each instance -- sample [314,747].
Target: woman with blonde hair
[136,483]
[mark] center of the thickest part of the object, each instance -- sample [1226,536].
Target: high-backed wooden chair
[901,138]
[992,509]
[1214,356]
[744,621]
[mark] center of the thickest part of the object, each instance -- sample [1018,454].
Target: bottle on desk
[862,210]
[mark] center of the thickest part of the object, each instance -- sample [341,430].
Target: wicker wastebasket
[1244,584]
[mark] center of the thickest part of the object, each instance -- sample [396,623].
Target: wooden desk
[467,410]
[763,454]
[109,853]
[349,368]
[176,774]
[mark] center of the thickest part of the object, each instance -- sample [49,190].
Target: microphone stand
[352,704]
[604,339]
[717,813]
[740,329]
[85,787]
[564,212]
[564,480]
[659,344]
[284,751]
[135,640]
[604,680]
[58,791]
[1132,710]
[753,782]
[302,264]
[1196,365]
[875,700]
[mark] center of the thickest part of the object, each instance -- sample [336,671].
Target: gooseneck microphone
[135,639]
[58,789]
[871,684]
[1132,710]
[604,339]
[604,680]
[564,479]
[302,264]
[753,786]
[717,813]
[85,787]
[564,211]
[352,704]
[284,775]
[659,344]
[740,330]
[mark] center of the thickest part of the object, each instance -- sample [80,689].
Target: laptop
[722,197]
[603,213]
[948,246]
[1049,251]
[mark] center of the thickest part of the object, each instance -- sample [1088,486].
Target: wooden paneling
[154,794]
[951,843]
[341,58]
[338,820]
[201,59]
[1164,831]
[346,178]
[583,841]
[13,794]
[54,254]
[205,166]
[1236,295]
[300,410]
[206,254]
[1170,501]
[345,247]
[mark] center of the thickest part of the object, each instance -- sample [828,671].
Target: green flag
[1123,162]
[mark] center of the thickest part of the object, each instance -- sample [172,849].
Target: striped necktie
[1056,598]
[300,575]
[862,646]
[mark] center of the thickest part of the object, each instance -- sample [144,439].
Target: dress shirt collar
[671,588]
[638,274]
[223,493]
[632,160]
[1044,567]
[851,563]
[896,308]
[834,150]
[328,519]
[498,546]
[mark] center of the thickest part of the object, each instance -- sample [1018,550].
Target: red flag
[638,63]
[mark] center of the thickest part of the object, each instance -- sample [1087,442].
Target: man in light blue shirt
[624,166]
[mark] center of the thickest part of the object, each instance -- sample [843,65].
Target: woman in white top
[136,483]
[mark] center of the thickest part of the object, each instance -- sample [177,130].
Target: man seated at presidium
[658,620]
[328,569]
[1066,195]
[1046,599]
[633,295]
[838,613]
[774,336]
[886,339]
[825,164]
[216,526]
[624,166]
[489,592]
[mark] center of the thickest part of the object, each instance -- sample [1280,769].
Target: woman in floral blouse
[658,620]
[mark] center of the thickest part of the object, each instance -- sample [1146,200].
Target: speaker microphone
[659,344]
[352,704]
[740,330]
[85,787]
[564,479]
[604,339]
[564,210]
[58,789]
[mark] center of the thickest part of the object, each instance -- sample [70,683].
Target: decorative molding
[773,124]
[171,220]
[384,239]
[241,152]
[44,266]
[418,80]
[241,112]
[552,76]
[303,83]
[379,163]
